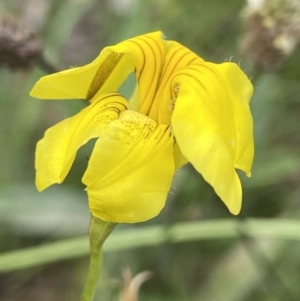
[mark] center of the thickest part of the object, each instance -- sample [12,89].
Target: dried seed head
[19,49]
[272,31]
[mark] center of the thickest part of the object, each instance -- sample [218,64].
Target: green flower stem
[99,231]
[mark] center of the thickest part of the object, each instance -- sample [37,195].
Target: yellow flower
[183,109]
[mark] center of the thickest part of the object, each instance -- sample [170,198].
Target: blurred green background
[245,266]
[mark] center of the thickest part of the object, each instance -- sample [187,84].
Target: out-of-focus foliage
[73,32]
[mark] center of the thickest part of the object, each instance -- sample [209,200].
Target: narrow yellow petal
[105,74]
[130,170]
[56,152]
[212,124]
[148,52]
[240,90]
[143,54]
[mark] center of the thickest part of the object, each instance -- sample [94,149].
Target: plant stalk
[99,231]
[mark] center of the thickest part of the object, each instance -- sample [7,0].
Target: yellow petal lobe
[105,74]
[212,124]
[131,169]
[56,152]
[148,52]
[177,58]
[143,55]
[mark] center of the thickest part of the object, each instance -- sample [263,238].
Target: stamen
[173,100]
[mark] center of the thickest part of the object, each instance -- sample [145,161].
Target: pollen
[132,127]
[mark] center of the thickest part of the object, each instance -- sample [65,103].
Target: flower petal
[156,62]
[212,124]
[177,58]
[143,54]
[105,74]
[153,59]
[130,170]
[148,52]
[56,152]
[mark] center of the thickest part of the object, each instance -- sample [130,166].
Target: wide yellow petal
[56,152]
[130,170]
[148,52]
[177,58]
[156,61]
[212,124]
